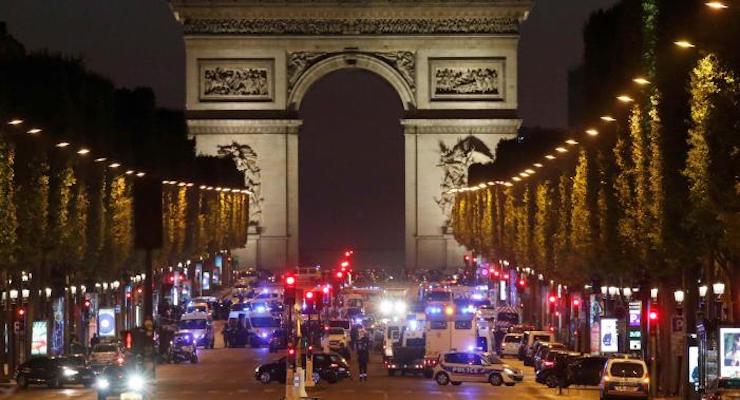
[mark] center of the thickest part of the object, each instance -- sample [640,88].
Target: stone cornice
[350,17]
[243,127]
[461,126]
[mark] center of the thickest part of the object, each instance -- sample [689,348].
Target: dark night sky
[351,164]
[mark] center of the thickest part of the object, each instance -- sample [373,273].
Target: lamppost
[719,289]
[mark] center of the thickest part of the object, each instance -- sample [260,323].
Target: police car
[457,367]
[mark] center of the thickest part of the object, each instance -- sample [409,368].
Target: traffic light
[310,299]
[128,339]
[653,321]
[552,299]
[20,321]
[289,290]
[319,299]
[522,283]
[466,260]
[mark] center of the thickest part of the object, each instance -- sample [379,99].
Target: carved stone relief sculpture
[236,80]
[467,79]
[350,26]
[403,61]
[455,162]
[246,161]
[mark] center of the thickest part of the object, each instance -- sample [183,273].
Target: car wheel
[495,380]
[551,381]
[456,383]
[442,379]
[194,359]
[22,382]
[265,377]
[331,378]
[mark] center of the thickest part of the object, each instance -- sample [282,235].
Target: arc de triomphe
[453,63]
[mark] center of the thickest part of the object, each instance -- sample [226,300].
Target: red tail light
[548,363]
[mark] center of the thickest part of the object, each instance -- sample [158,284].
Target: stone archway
[396,68]
[249,64]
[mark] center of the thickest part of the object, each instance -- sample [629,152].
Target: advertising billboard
[39,338]
[694,366]
[206,285]
[609,338]
[107,322]
[729,352]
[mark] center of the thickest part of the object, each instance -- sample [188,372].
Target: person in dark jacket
[353,336]
[363,356]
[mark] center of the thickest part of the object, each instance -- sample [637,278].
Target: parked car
[106,353]
[624,378]
[337,337]
[532,349]
[54,372]
[542,350]
[722,389]
[585,370]
[510,344]
[529,338]
[457,367]
[327,366]
[554,368]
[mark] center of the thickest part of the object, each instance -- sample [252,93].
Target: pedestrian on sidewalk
[363,355]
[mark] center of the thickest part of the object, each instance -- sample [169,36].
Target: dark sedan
[327,366]
[115,380]
[55,372]
[553,372]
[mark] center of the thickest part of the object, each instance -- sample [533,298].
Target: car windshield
[542,338]
[336,331]
[264,322]
[512,339]
[627,370]
[729,384]
[104,348]
[508,317]
[339,324]
[557,346]
[73,361]
[439,296]
[192,324]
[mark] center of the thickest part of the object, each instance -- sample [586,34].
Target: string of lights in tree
[84,151]
[591,132]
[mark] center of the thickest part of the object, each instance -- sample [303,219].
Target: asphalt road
[229,374]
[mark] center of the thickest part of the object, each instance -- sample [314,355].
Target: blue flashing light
[260,309]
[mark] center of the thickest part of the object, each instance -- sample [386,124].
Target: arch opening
[351,170]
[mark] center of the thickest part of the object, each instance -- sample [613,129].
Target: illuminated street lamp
[684,44]
[703,291]
[718,288]
[716,5]
[641,81]
[654,294]
[679,296]
[592,132]
[625,99]
[608,118]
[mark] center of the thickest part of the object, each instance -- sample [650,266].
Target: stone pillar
[438,154]
[267,151]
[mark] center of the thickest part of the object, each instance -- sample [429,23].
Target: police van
[456,367]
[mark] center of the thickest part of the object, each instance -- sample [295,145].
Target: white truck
[445,332]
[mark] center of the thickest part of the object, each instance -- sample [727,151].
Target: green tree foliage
[8,220]
[713,163]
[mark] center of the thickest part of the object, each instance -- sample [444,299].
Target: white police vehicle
[457,367]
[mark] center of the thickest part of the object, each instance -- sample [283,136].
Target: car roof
[626,360]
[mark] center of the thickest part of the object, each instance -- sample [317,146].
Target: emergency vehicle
[456,367]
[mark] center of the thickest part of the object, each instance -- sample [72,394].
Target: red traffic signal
[576,303]
[21,311]
[552,299]
[506,276]
[309,295]
[340,275]
[653,316]
[86,303]
[495,273]
[326,290]
[522,283]
[171,278]
[290,280]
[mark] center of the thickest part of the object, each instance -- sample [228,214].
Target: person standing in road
[353,335]
[363,355]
